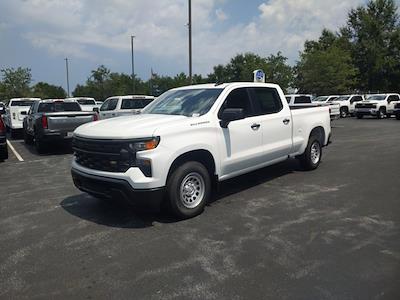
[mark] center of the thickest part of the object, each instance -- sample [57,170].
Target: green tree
[15,82]
[278,71]
[44,90]
[326,66]
[374,32]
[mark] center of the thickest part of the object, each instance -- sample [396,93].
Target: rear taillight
[44,122]
[95,117]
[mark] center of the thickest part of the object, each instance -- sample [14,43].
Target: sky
[40,34]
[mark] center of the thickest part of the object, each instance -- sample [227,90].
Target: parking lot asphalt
[278,233]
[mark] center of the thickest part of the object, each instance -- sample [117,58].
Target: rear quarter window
[267,100]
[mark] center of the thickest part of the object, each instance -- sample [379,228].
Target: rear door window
[266,100]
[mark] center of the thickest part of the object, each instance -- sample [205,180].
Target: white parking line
[14,151]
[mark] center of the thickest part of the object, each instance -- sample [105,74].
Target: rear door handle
[255,126]
[286,121]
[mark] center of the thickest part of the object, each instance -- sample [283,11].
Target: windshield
[376,97]
[190,103]
[86,102]
[21,103]
[342,98]
[58,107]
[321,99]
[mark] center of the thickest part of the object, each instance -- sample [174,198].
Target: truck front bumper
[117,190]
[366,111]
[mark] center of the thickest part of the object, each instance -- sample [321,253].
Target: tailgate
[67,121]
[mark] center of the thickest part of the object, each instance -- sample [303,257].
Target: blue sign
[260,75]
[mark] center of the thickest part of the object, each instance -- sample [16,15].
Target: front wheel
[311,157]
[189,189]
[380,114]
[343,112]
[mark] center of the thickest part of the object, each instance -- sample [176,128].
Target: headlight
[145,144]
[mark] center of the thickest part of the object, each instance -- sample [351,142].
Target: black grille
[103,155]
[365,105]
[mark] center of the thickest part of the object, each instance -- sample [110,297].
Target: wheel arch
[319,133]
[201,155]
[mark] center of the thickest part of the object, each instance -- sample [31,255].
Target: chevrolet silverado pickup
[86,103]
[16,111]
[334,109]
[53,120]
[123,105]
[377,105]
[347,104]
[189,138]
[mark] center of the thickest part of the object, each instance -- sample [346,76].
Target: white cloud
[74,27]
[221,15]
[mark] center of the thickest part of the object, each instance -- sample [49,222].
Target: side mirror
[231,114]
[24,113]
[96,109]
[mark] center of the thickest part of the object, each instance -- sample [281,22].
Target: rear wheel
[4,153]
[28,139]
[398,116]
[189,189]
[13,133]
[311,157]
[39,145]
[359,116]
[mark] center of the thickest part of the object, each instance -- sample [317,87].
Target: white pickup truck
[123,105]
[86,103]
[347,104]
[192,136]
[16,111]
[377,105]
[334,109]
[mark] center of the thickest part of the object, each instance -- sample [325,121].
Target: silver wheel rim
[192,190]
[315,153]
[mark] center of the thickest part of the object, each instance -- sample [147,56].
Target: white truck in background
[191,136]
[296,99]
[16,111]
[377,105]
[334,108]
[117,106]
[347,104]
[86,103]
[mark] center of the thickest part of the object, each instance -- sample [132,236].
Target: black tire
[4,153]
[343,112]
[388,115]
[13,133]
[359,116]
[398,117]
[28,139]
[380,113]
[39,145]
[198,190]
[307,161]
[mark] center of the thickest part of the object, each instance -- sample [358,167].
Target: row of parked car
[376,105]
[46,120]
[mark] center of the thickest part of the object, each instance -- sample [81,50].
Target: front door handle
[286,121]
[255,126]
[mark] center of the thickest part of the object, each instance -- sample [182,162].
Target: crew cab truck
[347,104]
[86,103]
[334,109]
[123,105]
[16,111]
[377,105]
[190,137]
[53,120]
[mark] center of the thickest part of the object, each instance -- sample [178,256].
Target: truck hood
[128,127]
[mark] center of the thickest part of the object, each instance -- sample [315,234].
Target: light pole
[66,67]
[133,66]
[190,41]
